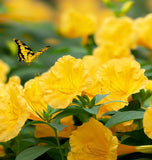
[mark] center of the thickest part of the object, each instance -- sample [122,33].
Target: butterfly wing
[24,52]
[37,54]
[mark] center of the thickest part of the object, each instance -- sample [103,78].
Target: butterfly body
[26,54]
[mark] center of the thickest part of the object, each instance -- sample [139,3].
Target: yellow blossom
[80,18]
[13,110]
[4,69]
[110,51]
[124,127]
[119,31]
[144,30]
[43,130]
[66,79]
[23,10]
[36,104]
[149,85]
[73,29]
[99,144]
[92,64]
[101,55]
[147,122]
[34,97]
[120,78]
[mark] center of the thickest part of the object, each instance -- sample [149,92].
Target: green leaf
[82,99]
[92,102]
[121,117]
[34,122]
[99,97]
[112,102]
[54,111]
[57,125]
[93,110]
[136,137]
[32,153]
[142,96]
[109,113]
[82,114]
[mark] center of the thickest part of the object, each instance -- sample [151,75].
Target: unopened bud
[106,1]
[144,149]
[126,7]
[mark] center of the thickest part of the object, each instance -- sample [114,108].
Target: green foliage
[121,117]
[32,153]
[25,146]
[143,97]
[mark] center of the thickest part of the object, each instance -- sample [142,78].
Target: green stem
[58,142]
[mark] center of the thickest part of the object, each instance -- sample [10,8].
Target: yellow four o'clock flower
[119,31]
[66,79]
[124,127]
[22,10]
[73,29]
[147,121]
[149,85]
[108,51]
[34,96]
[13,110]
[4,69]
[99,144]
[120,78]
[144,30]
[80,18]
[101,55]
[36,104]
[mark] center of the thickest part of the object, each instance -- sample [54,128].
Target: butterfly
[26,54]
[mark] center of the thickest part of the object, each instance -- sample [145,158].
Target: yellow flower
[13,110]
[92,63]
[91,141]
[80,18]
[66,79]
[149,85]
[22,10]
[119,31]
[4,69]
[120,78]
[73,29]
[147,122]
[110,51]
[34,97]
[36,104]
[43,130]
[144,30]
[124,127]
[101,55]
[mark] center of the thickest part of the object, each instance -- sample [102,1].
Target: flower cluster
[79,99]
